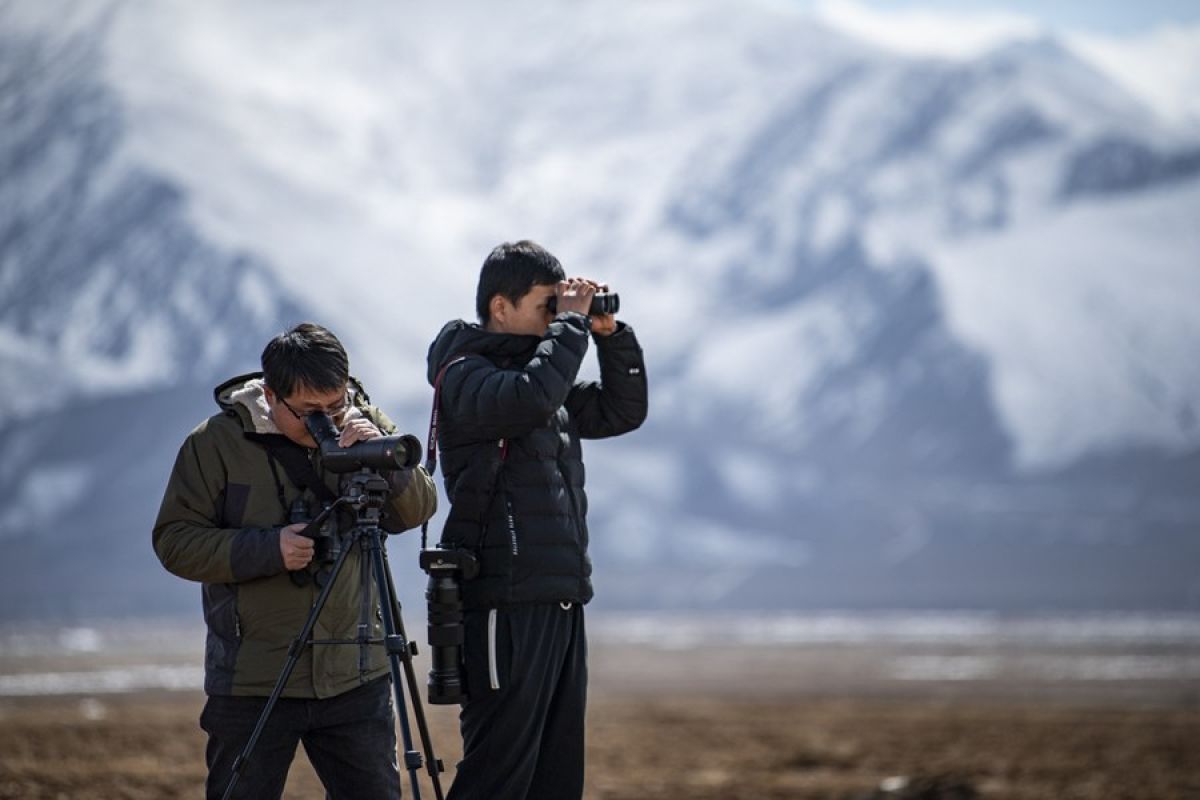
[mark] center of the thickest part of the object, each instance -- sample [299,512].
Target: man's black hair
[306,357]
[511,270]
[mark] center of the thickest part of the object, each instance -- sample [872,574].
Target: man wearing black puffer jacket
[511,419]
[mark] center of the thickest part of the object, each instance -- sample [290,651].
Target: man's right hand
[297,550]
[575,294]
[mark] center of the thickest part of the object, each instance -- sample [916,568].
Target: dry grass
[645,746]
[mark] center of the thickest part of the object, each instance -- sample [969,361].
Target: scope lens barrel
[383,453]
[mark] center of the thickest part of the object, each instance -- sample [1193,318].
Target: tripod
[365,492]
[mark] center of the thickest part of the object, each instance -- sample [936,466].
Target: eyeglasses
[336,411]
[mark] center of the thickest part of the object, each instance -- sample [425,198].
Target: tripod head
[366,491]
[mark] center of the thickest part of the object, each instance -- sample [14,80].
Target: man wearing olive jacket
[228,521]
[512,415]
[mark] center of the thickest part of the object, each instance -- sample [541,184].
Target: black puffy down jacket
[511,419]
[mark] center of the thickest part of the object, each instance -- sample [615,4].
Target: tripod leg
[432,763]
[398,651]
[294,650]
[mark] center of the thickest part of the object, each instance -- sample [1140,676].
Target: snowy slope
[668,148]
[107,288]
[1118,354]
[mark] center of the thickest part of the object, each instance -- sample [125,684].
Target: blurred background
[917,289]
[916,282]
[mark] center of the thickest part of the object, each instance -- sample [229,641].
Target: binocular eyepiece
[602,303]
[384,453]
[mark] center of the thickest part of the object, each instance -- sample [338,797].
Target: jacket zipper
[574,513]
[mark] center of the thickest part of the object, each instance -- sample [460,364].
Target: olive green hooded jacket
[219,523]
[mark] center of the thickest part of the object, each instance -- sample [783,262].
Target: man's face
[289,413]
[528,316]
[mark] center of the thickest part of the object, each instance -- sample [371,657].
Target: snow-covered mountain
[108,288]
[919,332]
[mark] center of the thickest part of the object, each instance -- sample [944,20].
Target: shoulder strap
[295,463]
[431,442]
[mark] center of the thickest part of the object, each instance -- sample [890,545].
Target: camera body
[327,544]
[602,303]
[447,568]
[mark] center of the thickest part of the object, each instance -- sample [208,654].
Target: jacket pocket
[224,637]
[221,610]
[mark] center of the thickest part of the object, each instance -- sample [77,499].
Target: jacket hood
[245,397]
[459,337]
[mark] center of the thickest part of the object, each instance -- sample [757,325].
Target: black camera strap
[295,462]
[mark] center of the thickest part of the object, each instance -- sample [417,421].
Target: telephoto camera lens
[446,637]
[602,303]
[383,453]
[447,684]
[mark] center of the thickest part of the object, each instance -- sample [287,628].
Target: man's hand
[575,294]
[359,429]
[297,550]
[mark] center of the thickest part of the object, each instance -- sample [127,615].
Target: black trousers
[350,740]
[523,726]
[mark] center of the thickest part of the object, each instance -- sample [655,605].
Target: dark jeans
[524,739]
[350,740]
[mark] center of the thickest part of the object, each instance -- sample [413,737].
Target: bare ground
[708,722]
[650,745]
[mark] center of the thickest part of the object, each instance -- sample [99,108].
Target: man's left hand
[604,325]
[358,430]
